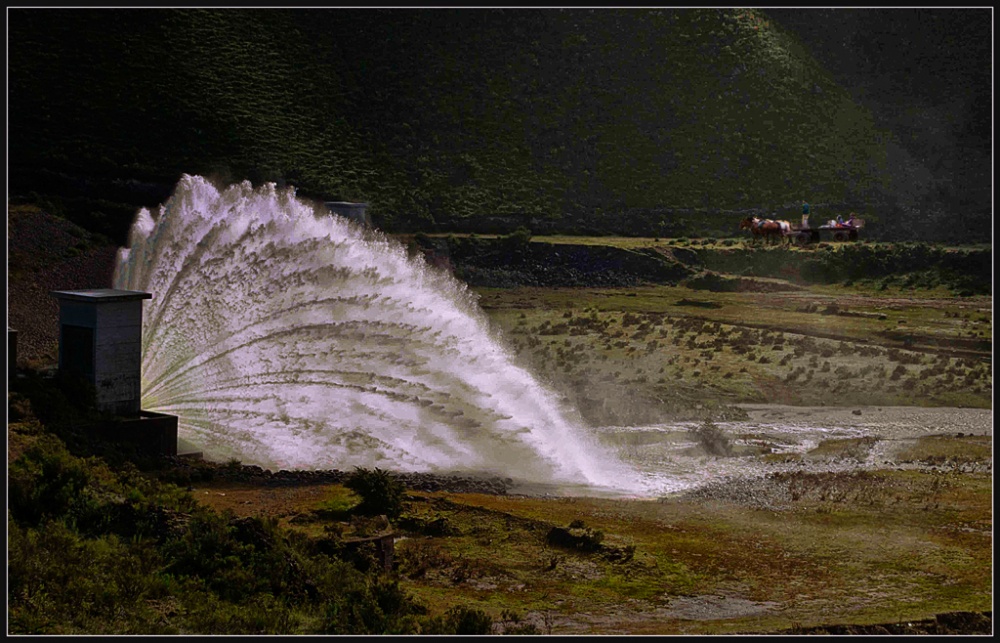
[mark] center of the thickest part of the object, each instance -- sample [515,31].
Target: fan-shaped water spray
[288,337]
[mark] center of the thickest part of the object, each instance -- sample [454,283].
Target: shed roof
[101,295]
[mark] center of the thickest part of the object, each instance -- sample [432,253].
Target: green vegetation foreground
[102,541]
[98,546]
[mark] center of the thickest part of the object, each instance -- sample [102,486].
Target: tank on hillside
[357,212]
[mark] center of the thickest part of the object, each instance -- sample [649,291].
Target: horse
[766,228]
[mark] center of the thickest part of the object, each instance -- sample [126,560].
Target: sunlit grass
[663,348]
[818,558]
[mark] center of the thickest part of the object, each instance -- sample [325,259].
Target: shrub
[712,439]
[380,493]
[209,550]
[238,558]
[821,271]
[459,620]
[576,536]
[95,549]
[261,614]
[470,621]
[512,623]
[378,607]
[414,558]
[517,240]
[46,482]
[61,583]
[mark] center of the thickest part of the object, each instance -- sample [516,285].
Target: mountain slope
[603,120]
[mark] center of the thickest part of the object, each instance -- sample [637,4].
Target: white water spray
[288,337]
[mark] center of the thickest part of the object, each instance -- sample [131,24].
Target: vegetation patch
[810,543]
[642,355]
[947,450]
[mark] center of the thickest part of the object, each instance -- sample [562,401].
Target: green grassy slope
[611,121]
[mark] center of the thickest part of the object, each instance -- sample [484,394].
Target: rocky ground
[46,253]
[193,471]
[886,421]
[951,623]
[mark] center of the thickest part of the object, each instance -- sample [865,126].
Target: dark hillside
[47,253]
[926,76]
[599,121]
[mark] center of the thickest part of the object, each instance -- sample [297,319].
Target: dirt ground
[885,421]
[728,605]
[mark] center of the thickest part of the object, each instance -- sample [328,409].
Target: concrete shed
[100,338]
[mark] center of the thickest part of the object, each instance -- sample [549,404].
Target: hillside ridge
[583,121]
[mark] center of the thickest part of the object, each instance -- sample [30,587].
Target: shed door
[77,350]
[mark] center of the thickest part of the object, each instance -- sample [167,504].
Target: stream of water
[288,337]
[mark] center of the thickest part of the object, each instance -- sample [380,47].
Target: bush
[416,557]
[378,607]
[576,536]
[459,620]
[239,558]
[209,550]
[261,614]
[822,271]
[380,492]
[517,240]
[470,621]
[94,549]
[712,439]
[46,482]
[61,583]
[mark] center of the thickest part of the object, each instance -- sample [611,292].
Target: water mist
[288,337]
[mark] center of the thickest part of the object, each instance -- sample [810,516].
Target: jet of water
[285,336]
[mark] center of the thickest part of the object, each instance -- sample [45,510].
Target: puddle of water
[667,458]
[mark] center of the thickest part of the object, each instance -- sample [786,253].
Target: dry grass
[631,356]
[789,550]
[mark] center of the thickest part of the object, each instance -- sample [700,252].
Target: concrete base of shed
[154,433]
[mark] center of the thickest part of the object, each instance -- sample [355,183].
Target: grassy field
[793,550]
[702,559]
[638,354]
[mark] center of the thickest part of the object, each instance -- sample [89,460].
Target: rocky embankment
[46,253]
[189,470]
[948,624]
[506,263]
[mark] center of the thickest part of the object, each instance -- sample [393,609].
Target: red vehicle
[832,230]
